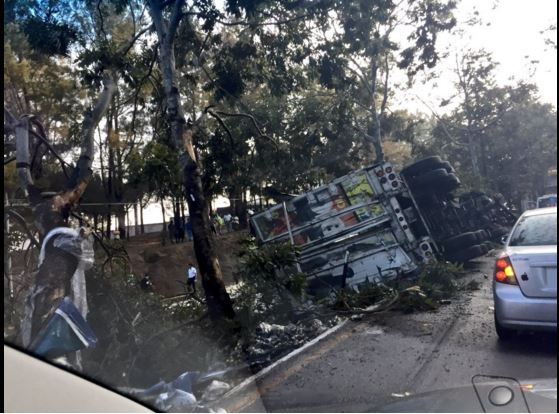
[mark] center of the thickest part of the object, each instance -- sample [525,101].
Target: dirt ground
[167,264]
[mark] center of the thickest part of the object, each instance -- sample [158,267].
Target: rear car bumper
[515,311]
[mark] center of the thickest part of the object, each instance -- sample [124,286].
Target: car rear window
[540,230]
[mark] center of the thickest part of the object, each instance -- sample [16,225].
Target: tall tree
[182,137]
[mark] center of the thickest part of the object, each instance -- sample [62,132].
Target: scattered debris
[471,286]
[357,318]
[272,341]
[376,331]
[445,301]
[400,395]
[175,401]
[215,390]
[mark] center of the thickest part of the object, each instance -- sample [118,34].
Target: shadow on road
[536,344]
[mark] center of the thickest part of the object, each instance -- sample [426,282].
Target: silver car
[525,277]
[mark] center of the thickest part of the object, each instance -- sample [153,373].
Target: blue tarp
[67,331]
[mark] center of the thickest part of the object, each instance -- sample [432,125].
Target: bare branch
[19,218]
[253,121]
[385,92]
[124,49]
[90,122]
[22,155]
[225,127]
[101,18]
[175,19]
[44,141]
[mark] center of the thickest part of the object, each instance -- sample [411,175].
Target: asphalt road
[368,363]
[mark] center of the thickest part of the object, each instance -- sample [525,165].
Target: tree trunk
[7,256]
[218,300]
[135,219]
[162,204]
[374,125]
[52,281]
[121,221]
[142,228]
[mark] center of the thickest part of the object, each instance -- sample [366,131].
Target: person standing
[191,281]
[236,223]
[146,283]
[228,223]
[188,229]
[218,223]
[171,228]
[182,230]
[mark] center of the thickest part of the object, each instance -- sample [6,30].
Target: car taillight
[504,273]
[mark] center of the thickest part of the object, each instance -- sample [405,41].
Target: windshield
[539,230]
[291,205]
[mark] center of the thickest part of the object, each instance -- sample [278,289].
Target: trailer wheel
[459,242]
[467,254]
[424,165]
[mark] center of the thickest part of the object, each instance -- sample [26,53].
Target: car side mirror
[504,239]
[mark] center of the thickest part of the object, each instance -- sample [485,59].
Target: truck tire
[446,165]
[466,254]
[459,242]
[430,178]
[446,185]
[421,166]
[481,235]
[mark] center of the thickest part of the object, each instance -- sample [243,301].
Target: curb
[282,360]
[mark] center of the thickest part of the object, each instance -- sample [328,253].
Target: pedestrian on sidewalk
[236,223]
[191,281]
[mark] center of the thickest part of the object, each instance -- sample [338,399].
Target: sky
[510,30]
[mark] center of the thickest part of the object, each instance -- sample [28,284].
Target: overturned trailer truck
[370,225]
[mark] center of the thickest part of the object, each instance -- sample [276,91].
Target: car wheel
[422,166]
[504,334]
[466,254]
[459,242]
